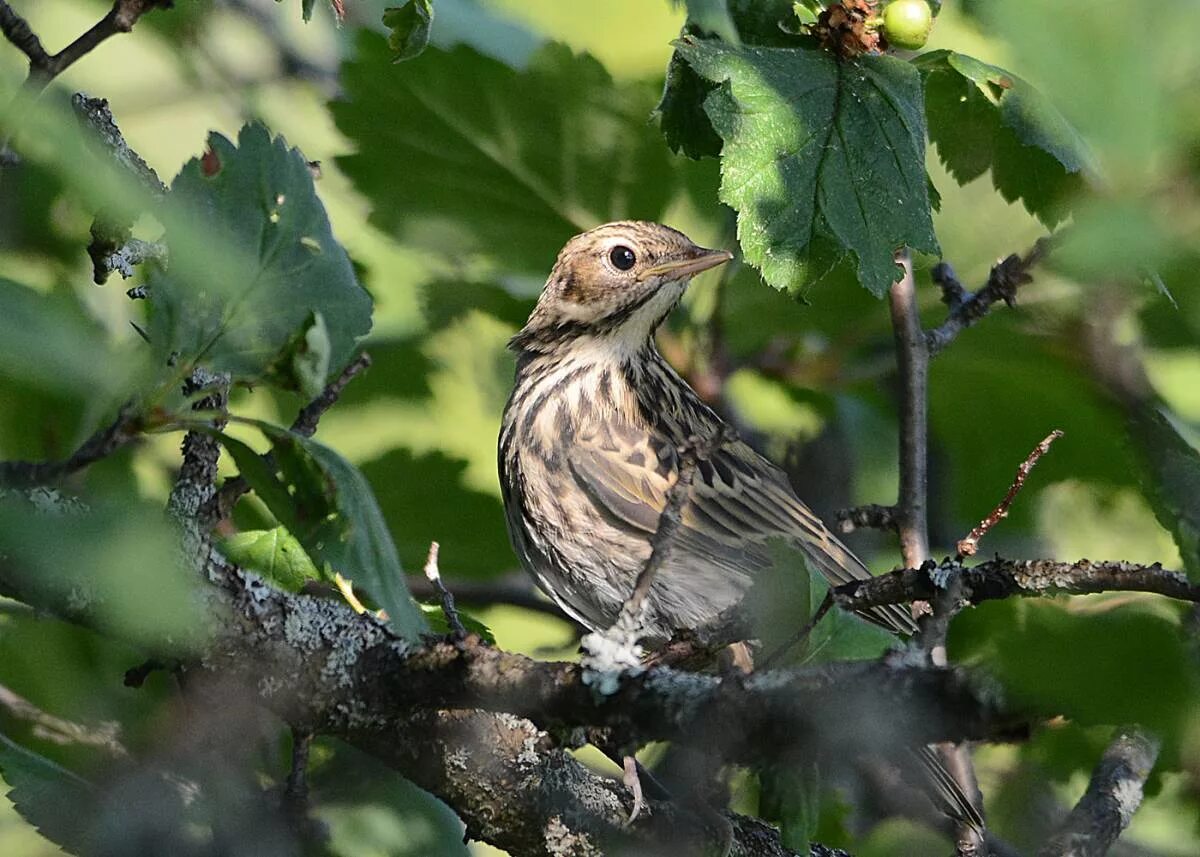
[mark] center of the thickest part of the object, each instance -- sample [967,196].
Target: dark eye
[622,257]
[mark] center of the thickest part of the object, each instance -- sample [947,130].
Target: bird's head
[619,280]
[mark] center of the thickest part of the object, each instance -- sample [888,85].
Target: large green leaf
[1172,480]
[823,158]
[252,259]
[327,504]
[468,524]
[41,790]
[982,117]
[465,155]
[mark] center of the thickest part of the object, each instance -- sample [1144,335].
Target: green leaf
[41,789]
[275,554]
[459,153]
[791,798]
[823,159]
[252,258]
[327,504]
[447,301]
[1120,666]
[1171,480]
[435,615]
[468,524]
[982,117]
[409,27]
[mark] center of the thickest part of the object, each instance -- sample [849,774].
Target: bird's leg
[629,764]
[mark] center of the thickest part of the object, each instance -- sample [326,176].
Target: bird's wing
[737,503]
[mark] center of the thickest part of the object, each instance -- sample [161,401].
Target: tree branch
[1112,797]
[1003,578]
[44,67]
[106,441]
[910,517]
[967,308]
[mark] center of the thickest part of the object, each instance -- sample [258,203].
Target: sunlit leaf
[982,117]
[275,554]
[252,258]
[824,159]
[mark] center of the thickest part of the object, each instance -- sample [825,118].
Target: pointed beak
[698,259]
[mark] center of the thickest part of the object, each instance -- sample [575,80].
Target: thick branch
[1003,578]
[1112,797]
[966,308]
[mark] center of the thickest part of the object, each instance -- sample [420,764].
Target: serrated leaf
[822,158]
[408,28]
[982,117]
[275,554]
[1171,480]
[40,790]
[327,504]
[464,155]
[252,257]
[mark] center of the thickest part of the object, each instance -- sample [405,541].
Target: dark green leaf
[252,258]
[469,525]
[409,28]
[1121,666]
[1172,480]
[448,300]
[275,554]
[41,789]
[791,798]
[822,158]
[306,9]
[982,117]
[327,504]
[465,155]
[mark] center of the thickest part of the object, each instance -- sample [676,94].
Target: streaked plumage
[589,448]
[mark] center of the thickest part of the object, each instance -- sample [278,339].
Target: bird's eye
[622,257]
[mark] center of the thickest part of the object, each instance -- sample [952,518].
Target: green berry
[906,23]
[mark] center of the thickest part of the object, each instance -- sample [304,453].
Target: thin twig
[48,727]
[1004,578]
[1112,797]
[912,360]
[969,544]
[305,425]
[669,522]
[966,308]
[106,441]
[869,516]
[44,67]
[434,576]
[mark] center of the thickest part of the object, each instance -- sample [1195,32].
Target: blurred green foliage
[447,184]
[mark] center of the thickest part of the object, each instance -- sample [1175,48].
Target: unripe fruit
[906,23]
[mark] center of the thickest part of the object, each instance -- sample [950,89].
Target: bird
[593,437]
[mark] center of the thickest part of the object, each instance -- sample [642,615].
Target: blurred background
[454,257]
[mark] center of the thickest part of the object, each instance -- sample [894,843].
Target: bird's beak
[697,260]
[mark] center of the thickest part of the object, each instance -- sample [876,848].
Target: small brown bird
[590,447]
